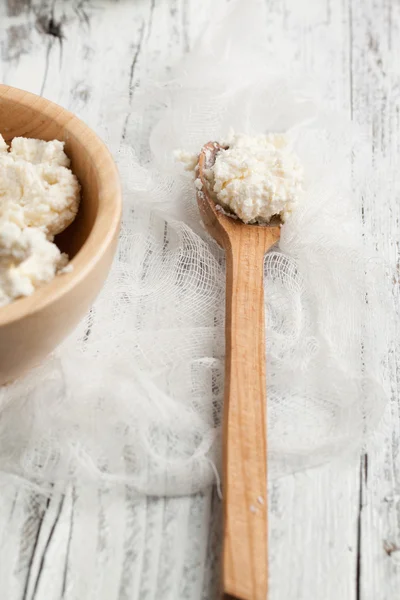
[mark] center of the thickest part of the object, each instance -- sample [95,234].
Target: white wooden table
[335,531]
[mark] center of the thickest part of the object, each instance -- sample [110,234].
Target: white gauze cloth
[135,395]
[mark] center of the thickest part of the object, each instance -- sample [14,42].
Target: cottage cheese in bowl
[39,198]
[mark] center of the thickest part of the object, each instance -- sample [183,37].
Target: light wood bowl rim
[103,232]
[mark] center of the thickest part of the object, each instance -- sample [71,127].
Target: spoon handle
[245,559]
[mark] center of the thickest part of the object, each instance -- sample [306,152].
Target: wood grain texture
[333,531]
[245,562]
[375,103]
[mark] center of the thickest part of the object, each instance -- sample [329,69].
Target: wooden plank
[313,534]
[375,82]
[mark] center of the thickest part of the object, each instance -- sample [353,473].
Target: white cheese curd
[27,260]
[10,185]
[257,177]
[3,145]
[49,196]
[188,159]
[39,152]
[35,175]
[39,198]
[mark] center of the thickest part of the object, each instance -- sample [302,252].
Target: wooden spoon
[245,559]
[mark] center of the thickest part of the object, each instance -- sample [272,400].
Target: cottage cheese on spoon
[39,198]
[257,177]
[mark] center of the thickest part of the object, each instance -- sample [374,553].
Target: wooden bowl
[30,328]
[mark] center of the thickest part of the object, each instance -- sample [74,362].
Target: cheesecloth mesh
[135,395]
